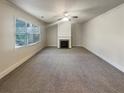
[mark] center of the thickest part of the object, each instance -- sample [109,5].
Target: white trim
[119,67]
[32,44]
[13,67]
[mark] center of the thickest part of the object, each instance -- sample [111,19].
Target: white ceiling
[54,9]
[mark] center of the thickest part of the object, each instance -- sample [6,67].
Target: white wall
[52,35]
[104,36]
[76,34]
[10,57]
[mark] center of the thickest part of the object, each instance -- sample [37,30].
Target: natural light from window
[26,33]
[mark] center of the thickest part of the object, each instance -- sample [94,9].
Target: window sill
[32,44]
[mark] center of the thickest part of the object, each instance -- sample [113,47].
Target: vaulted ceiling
[54,9]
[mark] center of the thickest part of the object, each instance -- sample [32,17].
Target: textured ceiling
[54,9]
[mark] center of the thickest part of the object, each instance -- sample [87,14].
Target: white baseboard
[106,60]
[11,68]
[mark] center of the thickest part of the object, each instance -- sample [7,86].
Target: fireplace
[64,43]
[64,35]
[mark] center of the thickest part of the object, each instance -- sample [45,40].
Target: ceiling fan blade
[74,16]
[60,18]
[54,23]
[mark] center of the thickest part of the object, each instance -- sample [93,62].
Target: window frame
[27,22]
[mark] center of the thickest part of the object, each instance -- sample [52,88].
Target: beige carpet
[64,71]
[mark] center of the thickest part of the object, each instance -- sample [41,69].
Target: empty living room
[61,46]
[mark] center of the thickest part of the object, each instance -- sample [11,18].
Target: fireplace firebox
[64,43]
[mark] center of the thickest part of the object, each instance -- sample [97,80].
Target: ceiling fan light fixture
[65,19]
[66,14]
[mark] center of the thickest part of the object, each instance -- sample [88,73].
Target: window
[26,33]
[21,38]
[33,33]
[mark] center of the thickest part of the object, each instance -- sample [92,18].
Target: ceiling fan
[66,17]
